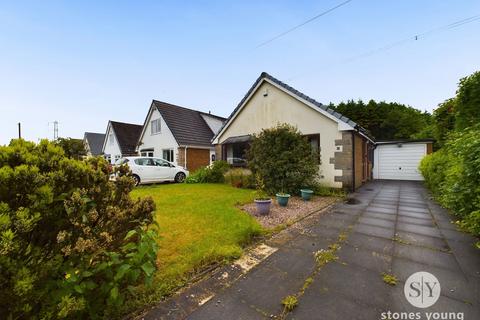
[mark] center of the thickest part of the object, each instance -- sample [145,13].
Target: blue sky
[86,62]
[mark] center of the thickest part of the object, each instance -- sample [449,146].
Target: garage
[399,160]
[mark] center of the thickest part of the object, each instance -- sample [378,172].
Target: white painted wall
[263,112]
[111,149]
[214,123]
[159,141]
[399,163]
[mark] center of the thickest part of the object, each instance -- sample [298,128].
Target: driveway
[392,228]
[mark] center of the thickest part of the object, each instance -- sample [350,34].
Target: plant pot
[306,194]
[263,206]
[282,199]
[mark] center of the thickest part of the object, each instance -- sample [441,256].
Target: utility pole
[19,130]
[55,130]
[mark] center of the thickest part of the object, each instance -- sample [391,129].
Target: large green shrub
[467,107]
[283,158]
[72,244]
[210,174]
[453,175]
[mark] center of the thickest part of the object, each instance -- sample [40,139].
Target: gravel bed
[296,209]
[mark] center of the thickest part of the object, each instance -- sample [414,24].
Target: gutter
[353,161]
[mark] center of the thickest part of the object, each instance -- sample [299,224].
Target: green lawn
[199,224]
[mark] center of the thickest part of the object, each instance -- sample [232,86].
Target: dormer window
[155,126]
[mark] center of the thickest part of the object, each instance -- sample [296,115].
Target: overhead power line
[389,46]
[416,37]
[303,23]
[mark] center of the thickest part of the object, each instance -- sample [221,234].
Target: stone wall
[343,159]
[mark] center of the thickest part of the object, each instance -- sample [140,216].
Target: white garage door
[399,163]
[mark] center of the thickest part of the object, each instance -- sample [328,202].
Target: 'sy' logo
[422,289]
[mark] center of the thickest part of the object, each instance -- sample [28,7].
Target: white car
[150,170]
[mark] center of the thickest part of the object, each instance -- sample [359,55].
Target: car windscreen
[121,161]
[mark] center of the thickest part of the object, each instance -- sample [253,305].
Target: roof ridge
[190,109]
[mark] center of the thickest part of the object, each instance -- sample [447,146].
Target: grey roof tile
[95,142]
[127,135]
[187,125]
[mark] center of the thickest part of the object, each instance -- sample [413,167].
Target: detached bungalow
[179,135]
[120,140]
[344,148]
[93,143]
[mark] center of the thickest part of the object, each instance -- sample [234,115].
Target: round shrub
[283,158]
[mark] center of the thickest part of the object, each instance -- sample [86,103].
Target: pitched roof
[296,93]
[187,125]
[95,142]
[127,135]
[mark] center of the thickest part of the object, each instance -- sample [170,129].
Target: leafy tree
[467,110]
[386,121]
[72,243]
[73,148]
[283,158]
[444,120]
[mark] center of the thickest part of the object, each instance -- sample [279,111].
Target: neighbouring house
[93,143]
[120,140]
[179,135]
[399,159]
[344,148]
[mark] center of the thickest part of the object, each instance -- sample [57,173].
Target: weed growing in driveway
[289,303]
[322,256]
[389,279]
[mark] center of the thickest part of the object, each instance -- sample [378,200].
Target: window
[167,154]
[146,153]
[144,162]
[314,140]
[108,157]
[117,157]
[111,139]
[161,163]
[122,161]
[155,126]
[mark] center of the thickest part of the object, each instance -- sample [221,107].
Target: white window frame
[155,126]
[146,153]
[170,153]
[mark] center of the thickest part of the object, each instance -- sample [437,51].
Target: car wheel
[136,179]
[180,177]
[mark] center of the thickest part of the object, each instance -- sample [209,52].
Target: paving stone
[418,221]
[446,225]
[323,231]
[380,245]
[295,263]
[374,231]
[467,256]
[324,304]
[426,256]
[453,284]
[377,222]
[365,258]
[414,214]
[444,304]
[382,210]
[225,306]
[387,205]
[376,215]
[456,235]
[264,288]
[422,240]
[337,221]
[412,209]
[415,228]
[356,283]
[310,243]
